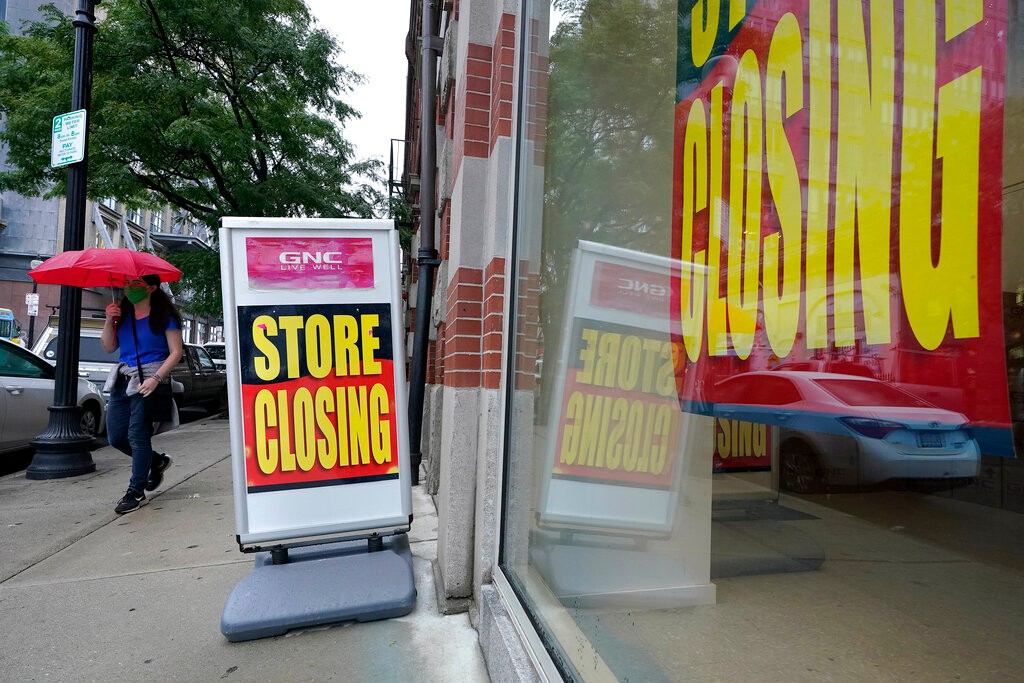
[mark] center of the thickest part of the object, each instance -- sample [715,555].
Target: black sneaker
[156,472]
[131,502]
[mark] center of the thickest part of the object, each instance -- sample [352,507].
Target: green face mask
[136,294]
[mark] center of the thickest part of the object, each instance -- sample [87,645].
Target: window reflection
[811,501]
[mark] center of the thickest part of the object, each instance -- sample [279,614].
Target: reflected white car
[850,430]
[26,391]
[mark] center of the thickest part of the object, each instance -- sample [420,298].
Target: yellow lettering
[346,336]
[695,200]
[630,362]
[343,429]
[962,15]
[268,366]
[290,325]
[305,443]
[358,425]
[718,341]
[703,29]
[379,405]
[607,359]
[570,431]
[319,359]
[782,304]
[744,205]
[663,428]
[864,135]
[819,172]
[586,372]
[369,323]
[620,408]
[285,429]
[326,447]
[265,418]
[723,441]
[934,294]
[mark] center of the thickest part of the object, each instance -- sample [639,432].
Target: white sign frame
[67,138]
[568,503]
[324,512]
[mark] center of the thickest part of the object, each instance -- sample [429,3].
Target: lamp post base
[62,450]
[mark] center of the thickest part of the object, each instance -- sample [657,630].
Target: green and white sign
[67,144]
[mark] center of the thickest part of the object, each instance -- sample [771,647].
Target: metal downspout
[427,255]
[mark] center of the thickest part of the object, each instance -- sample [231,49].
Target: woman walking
[146,327]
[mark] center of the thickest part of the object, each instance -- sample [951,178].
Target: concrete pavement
[87,595]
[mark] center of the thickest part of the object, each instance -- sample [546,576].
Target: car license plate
[930,439]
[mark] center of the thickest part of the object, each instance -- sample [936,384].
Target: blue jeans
[130,432]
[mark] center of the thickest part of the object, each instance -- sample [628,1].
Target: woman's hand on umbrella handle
[113,311]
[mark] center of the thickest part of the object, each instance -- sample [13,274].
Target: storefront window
[767,380]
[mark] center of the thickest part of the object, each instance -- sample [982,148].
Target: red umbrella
[95,267]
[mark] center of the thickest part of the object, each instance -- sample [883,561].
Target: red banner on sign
[318,395]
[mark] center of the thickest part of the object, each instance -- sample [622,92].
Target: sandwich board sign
[316,379]
[619,428]
[621,461]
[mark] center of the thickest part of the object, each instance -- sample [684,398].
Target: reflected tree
[608,151]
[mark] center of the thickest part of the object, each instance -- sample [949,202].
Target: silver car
[837,429]
[28,383]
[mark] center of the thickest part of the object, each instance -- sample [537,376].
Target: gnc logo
[635,287]
[292,258]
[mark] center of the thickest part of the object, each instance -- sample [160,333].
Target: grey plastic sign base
[316,587]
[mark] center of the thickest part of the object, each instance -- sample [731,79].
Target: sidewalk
[87,595]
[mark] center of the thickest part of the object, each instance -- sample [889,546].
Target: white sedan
[850,430]
[27,383]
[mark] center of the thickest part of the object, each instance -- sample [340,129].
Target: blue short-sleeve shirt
[152,347]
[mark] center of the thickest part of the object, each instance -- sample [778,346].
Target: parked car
[205,384]
[28,384]
[850,430]
[93,362]
[217,353]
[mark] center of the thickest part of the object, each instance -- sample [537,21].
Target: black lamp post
[63,450]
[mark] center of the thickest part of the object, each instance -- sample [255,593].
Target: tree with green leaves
[216,108]
[609,138]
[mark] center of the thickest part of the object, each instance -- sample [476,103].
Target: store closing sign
[617,455]
[316,377]
[838,176]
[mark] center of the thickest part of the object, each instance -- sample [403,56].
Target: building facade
[726,376]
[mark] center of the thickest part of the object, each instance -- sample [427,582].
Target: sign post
[319,434]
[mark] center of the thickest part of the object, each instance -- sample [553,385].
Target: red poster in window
[837,200]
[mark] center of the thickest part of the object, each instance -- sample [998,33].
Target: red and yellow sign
[318,395]
[619,417]
[742,446]
[838,167]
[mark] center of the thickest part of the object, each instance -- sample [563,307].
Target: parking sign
[67,143]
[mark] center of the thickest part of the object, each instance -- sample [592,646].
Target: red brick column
[463,329]
[493,309]
[502,65]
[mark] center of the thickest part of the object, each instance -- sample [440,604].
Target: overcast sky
[372,37]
